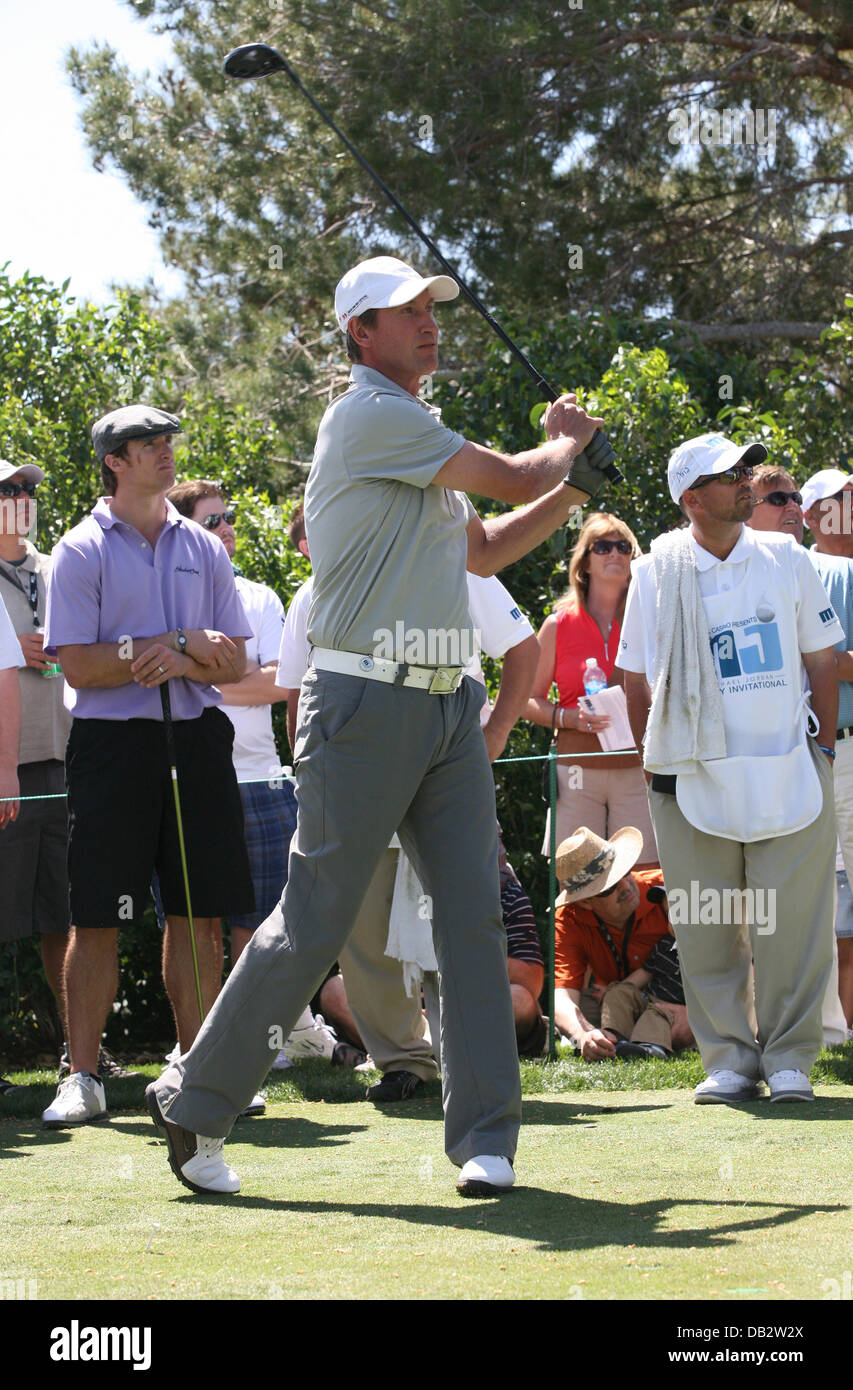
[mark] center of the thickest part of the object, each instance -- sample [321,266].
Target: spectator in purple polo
[138,596]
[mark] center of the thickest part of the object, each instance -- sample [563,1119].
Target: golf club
[258,60]
[173,767]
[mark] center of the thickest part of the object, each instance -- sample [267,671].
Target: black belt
[845,733]
[663,782]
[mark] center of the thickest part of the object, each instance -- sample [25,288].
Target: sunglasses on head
[781,499]
[603,547]
[216,518]
[15,489]
[731,475]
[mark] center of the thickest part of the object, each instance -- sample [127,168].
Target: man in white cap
[389,733]
[721,623]
[11,657]
[827,500]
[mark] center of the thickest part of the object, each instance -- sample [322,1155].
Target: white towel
[686,717]
[410,927]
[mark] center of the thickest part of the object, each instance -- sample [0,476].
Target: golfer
[388,733]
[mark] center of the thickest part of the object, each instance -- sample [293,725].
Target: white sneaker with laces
[723,1087]
[487,1175]
[311,1040]
[208,1169]
[79,1099]
[790,1085]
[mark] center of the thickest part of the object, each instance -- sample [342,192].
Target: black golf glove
[586,471]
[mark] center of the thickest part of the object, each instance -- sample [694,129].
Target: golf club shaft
[281,65]
[173,767]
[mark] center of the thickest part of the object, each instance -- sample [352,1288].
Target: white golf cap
[706,455]
[383,283]
[826,483]
[30,472]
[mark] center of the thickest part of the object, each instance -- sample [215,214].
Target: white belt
[435,680]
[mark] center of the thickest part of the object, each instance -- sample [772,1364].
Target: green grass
[625,1190]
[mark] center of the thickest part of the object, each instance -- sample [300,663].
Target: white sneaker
[195,1159]
[318,1040]
[790,1085]
[487,1175]
[208,1171]
[726,1087]
[256,1106]
[282,1062]
[79,1099]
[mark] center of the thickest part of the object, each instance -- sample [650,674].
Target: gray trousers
[370,760]
[792,952]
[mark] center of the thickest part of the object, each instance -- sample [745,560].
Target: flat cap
[131,422]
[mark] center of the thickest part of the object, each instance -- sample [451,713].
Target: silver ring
[162,670]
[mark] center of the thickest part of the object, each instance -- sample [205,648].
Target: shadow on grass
[559,1221]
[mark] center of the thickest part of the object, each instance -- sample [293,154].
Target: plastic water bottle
[594,679]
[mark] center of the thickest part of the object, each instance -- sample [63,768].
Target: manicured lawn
[628,1192]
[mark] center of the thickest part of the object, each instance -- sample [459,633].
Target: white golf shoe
[790,1085]
[79,1099]
[487,1175]
[196,1160]
[314,1039]
[724,1087]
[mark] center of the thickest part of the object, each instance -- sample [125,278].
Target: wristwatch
[181,638]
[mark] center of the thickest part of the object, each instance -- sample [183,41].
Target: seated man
[609,922]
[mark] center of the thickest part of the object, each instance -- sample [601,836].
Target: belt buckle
[445,680]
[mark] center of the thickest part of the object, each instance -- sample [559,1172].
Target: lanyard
[33,596]
[621,958]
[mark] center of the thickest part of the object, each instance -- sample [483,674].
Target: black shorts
[123,824]
[33,856]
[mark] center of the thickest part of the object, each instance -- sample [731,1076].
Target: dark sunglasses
[602,547]
[608,891]
[216,518]
[15,489]
[781,499]
[731,475]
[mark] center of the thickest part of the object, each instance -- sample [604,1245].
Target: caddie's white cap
[383,283]
[826,483]
[704,455]
[30,472]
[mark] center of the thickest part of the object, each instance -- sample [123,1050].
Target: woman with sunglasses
[602,793]
[778,503]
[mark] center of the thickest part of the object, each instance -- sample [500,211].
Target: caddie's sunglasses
[216,518]
[731,475]
[781,499]
[15,489]
[604,547]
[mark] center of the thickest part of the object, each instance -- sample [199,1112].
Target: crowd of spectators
[632,977]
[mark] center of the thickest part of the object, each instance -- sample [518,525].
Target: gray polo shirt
[388,547]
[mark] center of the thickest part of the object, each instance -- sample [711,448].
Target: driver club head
[253,60]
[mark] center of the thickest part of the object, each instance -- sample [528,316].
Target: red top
[578,637]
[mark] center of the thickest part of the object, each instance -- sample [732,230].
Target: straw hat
[588,865]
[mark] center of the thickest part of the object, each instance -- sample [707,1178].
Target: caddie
[732,691]
[391,740]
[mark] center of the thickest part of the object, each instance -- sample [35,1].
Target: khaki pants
[625,1010]
[391,1024]
[792,954]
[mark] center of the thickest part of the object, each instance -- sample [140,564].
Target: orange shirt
[581,947]
[578,637]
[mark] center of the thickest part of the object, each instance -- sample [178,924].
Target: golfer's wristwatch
[181,640]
